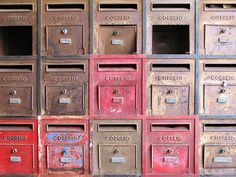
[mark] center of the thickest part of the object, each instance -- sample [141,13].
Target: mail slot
[170,87]
[117,27]
[18,28]
[18,147]
[116,147]
[218,27]
[170,146]
[65,87]
[65,148]
[217,155]
[65,28]
[116,85]
[169,23]
[217,88]
[18,88]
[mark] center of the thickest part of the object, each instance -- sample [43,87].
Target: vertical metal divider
[91,27]
[144,45]
[197,58]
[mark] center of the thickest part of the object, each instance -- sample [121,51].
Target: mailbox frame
[74,77]
[131,17]
[57,130]
[218,17]
[161,76]
[182,15]
[96,139]
[138,60]
[222,137]
[77,16]
[27,136]
[23,16]
[192,121]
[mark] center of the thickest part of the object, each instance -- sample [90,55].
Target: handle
[65,7]
[170,67]
[170,127]
[118,7]
[117,127]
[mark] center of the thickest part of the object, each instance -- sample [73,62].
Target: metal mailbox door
[219,100]
[220,40]
[16,100]
[16,159]
[116,159]
[219,156]
[65,40]
[65,157]
[65,100]
[117,99]
[171,159]
[170,100]
[117,40]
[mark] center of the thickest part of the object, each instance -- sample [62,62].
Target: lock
[13,92]
[14,150]
[223,30]
[169,91]
[169,151]
[222,91]
[116,91]
[222,151]
[64,91]
[64,31]
[116,151]
[115,33]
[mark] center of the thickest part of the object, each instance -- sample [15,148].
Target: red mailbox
[170,146]
[65,147]
[116,84]
[18,147]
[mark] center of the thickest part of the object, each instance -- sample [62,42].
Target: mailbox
[18,28]
[117,27]
[18,147]
[65,148]
[116,85]
[217,87]
[65,28]
[116,147]
[18,88]
[65,87]
[170,23]
[170,87]
[217,153]
[218,27]
[170,146]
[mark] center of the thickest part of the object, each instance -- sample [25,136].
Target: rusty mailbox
[18,147]
[18,88]
[117,26]
[218,87]
[65,27]
[218,27]
[65,87]
[116,85]
[117,147]
[170,146]
[170,87]
[169,23]
[18,27]
[217,150]
[65,147]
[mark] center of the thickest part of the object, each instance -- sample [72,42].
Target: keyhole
[116,151]
[65,31]
[115,33]
[169,151]
[116,91]
[222,91]
[64,92]
[13,92]
[169,91]
[14,150]
[222,151]
[222,30]
[64,151]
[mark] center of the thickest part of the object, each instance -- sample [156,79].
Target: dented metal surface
[116,85]
[18,147]
[170,87]
[65,28]
[170,23]
[117,27]
[117,147]
[65,147]
[65,87]
[217,27]
[217,150]
[170,146]
[217,86]
[18,91]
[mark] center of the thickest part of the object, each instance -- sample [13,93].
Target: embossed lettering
[223,17]
[14,19]
[15,138]
[65,78]
[221,78]
[167,17]
[170,138]
[66,138]
[174,78]
[223,138]
[117,138]
[14,79]
[117,78]
[117,17]
[65,18]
